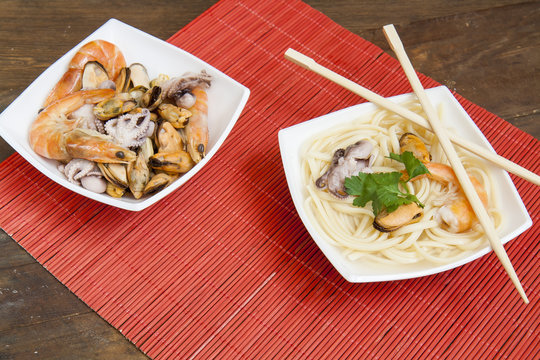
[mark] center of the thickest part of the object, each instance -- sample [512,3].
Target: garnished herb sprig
[383,189]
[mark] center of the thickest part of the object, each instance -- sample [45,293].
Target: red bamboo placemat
[223,267]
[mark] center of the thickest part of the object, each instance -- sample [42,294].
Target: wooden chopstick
[439,130]
[310,64]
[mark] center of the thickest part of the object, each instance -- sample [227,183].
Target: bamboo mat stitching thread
[287,64]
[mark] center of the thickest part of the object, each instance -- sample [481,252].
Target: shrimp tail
[69,83]
[457,215]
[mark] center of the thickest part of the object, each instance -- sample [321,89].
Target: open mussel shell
[116,174]
[139,75]
[412,143]
[178,117]
[115,191]
[403,215]
[158,182]
[137,94]
[113,107]
[138,175]
[146,149]
[94,74]
[152,98]
[123,80]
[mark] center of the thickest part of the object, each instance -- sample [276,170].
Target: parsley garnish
[383,189]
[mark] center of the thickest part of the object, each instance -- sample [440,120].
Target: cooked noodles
[351,228]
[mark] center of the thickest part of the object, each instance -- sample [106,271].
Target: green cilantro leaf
[383,189]
[413,166]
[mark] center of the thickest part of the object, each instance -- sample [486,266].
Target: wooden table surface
[487,50]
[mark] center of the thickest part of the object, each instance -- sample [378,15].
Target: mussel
[139,75]
[178,117]
[115,191]
[94,74]
[152,98]
[177,162]
[146,149]
[412,143]
[168,139]
[158,182]
[403,215]
[137,94]
[138,175]
[116,174]
[113,107]
[123,80]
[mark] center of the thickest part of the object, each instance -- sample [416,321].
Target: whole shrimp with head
[189,91]
[56,136]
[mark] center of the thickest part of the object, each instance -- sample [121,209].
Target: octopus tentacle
[130,130]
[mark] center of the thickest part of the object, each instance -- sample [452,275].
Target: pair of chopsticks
[445,139]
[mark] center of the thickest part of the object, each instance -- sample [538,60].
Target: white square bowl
[226,100]
[455,118]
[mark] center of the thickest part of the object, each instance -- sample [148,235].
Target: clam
[113,107]
[139,75]
[412,143]
[177,162]
[178,117]
[116,174]
[123,80]
[94,74]
[403,215]
[152,98]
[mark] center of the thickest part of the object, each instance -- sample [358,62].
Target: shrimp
[55,136]
[458,215]
[104,52]
[196,130]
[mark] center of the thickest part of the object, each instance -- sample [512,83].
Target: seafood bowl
[292,140]
[226,100]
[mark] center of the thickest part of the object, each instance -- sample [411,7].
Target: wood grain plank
[488,50]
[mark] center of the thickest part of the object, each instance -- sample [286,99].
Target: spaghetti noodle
[350,227]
